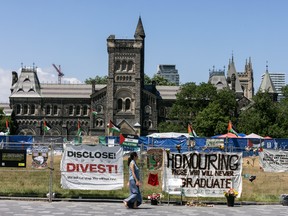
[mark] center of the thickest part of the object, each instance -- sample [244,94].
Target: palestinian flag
[128,140]
[7,128]
[94,113]
[46,127]
[113,127]
[191,132]
[231,129]
[78,129]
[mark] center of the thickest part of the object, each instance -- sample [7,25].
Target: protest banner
[273,160]
[87,167]
[204,174]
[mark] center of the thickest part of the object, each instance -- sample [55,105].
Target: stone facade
[242,83]
[134,107]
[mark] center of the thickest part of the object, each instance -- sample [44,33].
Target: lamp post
[137,128]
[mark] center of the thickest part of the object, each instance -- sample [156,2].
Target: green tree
[3,119]
[97,79]
[147,80]
[191,100]
[280,128]
[284,91]
[172,127]
[158,79]
[211,120]
[227,99]
[214,118]
[261,117]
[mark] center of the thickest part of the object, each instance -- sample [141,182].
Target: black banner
[12,158]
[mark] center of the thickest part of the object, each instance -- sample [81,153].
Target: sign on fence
[12,158]
[204,174]
[40,156]
[92,167]
[273,160]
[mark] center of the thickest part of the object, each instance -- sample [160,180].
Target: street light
[137,127]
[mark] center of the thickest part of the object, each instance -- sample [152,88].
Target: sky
[194,35]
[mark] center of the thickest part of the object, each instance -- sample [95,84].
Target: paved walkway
[44,208]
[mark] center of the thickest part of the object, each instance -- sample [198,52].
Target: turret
[139,30]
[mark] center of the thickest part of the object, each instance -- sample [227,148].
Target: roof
[218,80]
[139,29]
[68,90]
[231,71]
[168,92]
[169,135]
[6,108]
[267,84]
[27,85]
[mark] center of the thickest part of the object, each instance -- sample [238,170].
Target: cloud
[49,76]
[44,76]
[5,85]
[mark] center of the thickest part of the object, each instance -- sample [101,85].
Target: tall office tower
[278,80]
[169,72]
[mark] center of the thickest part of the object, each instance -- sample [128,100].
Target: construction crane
[60,74]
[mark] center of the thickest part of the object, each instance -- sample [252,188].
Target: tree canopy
[97,79]
[158,79]
[209,111]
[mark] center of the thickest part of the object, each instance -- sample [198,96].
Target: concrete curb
[120,200]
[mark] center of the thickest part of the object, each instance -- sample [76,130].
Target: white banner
[87,167]
[273,160]
[204,174]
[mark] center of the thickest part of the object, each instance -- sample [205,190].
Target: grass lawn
[30,182]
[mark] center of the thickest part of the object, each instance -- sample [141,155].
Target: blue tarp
[165,143]
[17,142]
[230,144]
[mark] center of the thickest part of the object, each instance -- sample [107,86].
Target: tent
[169,135]
[229,135]
[254,140]
[253,136]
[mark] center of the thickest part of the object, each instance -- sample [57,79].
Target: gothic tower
[246,80]
[125,80]
[250,78]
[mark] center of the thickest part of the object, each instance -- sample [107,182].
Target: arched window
[119,104]
[145,123]
[150,123]
[32,109]
[124,66]
[99,109]
[55,110]
[18,109]
[99,123]
[147,109]
[130,66]
[127,104]
[78,108]
[85,110]
[70,110]
[117,66]
[25,109]
[48,110]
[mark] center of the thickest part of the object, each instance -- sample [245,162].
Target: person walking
[135,198]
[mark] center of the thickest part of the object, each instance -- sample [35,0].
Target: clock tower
[125,80]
